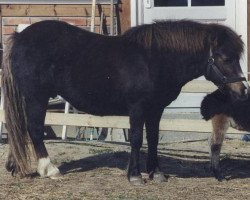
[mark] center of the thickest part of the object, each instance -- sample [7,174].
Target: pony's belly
[103,110]
[99,106]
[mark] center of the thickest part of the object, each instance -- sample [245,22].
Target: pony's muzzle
[239,90]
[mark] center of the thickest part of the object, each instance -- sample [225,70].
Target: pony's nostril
[246,91]
[244,94]
[245,83]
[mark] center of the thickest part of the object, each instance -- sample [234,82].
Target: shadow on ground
[180,163]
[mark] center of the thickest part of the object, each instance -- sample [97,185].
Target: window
[170,3]
[185,3]
[208,3]
[201,10]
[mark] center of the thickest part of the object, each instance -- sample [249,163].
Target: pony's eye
[228,60]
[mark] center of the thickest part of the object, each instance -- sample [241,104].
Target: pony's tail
[15,117]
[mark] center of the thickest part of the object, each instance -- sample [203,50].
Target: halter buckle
[210,61]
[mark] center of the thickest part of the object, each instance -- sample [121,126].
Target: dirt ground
[96,170]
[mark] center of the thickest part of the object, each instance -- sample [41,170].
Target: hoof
[218,175]
[56,176]
[47,169]
[11,167]
[136,180]
[158,177]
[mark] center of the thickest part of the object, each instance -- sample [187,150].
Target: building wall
[78,15]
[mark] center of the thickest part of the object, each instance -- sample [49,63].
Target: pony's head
[223,67]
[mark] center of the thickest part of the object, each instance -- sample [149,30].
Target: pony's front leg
[36,111]
[136,139]
[152,130]
[220,124]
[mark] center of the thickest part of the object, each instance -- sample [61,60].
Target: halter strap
[215,75]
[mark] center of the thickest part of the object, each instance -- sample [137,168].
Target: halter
[214,74]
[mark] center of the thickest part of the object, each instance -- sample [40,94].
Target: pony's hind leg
[36,111]
[220,124]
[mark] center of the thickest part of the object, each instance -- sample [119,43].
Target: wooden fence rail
[185,125]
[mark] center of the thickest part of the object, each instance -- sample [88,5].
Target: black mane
[185,36]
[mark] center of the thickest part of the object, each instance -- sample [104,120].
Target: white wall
[241,28]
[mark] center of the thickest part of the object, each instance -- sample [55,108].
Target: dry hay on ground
[96,170]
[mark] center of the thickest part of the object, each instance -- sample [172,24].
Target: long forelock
[235,43]
[229,39]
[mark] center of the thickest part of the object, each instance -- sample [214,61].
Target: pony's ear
[217,38]
[213,40]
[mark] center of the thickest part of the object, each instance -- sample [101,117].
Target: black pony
[224,113]
[137,74]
